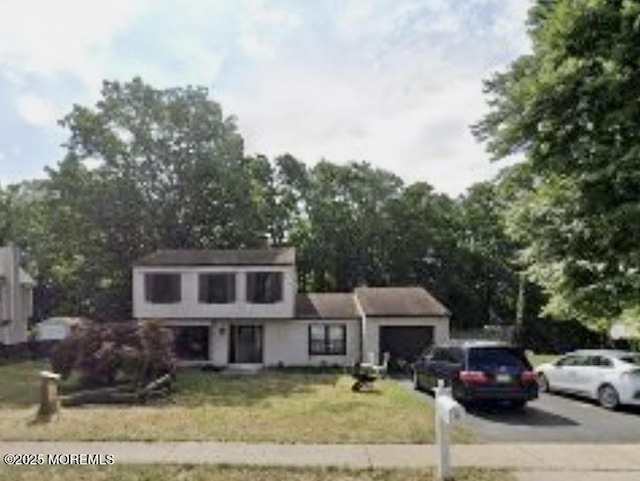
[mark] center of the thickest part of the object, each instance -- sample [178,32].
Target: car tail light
[529,376]
[473,377]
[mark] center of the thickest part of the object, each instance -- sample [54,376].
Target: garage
[404,343]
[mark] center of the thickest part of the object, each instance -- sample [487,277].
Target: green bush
[558,337]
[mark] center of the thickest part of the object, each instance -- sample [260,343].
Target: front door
[245,345]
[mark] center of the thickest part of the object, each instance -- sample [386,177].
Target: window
[218,288]
[599,361]
[328,340]
[264,287]
[631,359]
[191,342]
[162,288]
[573,360]
[494,357]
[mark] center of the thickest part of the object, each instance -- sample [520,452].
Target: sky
[396,83]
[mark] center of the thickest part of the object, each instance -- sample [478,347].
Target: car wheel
[608,397]
[543,383]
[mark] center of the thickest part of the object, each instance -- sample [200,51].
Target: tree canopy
[149,168]
[571,108]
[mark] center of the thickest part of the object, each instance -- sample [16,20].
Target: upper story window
[217,288]
[264,287]
[162,288]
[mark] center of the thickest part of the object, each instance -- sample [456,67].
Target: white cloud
[394,83]
[510,25]
[263,26]
[203,64]
[409,112]
[61,37]
[342,114]
[35,110]
[262,12]
[254,47]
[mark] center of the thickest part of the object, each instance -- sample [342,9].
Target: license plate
[503,378]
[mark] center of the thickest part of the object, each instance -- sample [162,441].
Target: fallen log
[162,381]
[120,394]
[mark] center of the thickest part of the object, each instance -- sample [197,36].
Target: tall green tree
[146,169]
[345,221]
[571,107]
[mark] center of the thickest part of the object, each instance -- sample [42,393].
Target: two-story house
[16,297]
[237,307]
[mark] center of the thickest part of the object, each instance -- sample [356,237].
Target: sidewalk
[550,462]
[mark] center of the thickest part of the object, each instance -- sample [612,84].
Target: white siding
[4,305]
[27,301]
[14,305]
[287,342]
[284,341]
[189,307]
[373,324]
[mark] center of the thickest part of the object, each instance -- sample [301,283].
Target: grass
[227,473]
[19,382]
[537,359]
[278,407]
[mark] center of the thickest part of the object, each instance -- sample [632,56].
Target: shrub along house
[237,307]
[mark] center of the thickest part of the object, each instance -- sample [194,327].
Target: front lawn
[282,407]
[19,382]
[228,473]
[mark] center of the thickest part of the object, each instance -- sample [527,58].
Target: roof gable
[399,302]
[331,305]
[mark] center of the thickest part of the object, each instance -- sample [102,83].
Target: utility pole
[522,281]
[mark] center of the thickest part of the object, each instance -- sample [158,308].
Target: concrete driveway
[552,418]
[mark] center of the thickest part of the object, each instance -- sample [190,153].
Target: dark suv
[478,371]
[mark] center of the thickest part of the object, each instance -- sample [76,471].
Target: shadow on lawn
[196,388]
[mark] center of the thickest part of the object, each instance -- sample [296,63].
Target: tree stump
[49,399]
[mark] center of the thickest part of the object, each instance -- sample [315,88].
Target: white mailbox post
[448,412]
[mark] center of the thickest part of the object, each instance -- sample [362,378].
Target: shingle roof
[331,305]
[399,302]
[238,257]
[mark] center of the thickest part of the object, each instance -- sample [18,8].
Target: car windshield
[495,357]
[631,359]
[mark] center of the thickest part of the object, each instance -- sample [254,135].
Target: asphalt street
[551,418]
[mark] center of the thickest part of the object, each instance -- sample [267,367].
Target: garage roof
[330,305]
[399,302]
[221,257]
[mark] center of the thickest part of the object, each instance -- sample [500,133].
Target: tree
[147,169]
[571,107]
[495,275]
[343,224]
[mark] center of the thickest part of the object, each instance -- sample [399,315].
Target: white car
[610,377]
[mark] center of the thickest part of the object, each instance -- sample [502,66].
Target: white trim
[186,322]
[363,324]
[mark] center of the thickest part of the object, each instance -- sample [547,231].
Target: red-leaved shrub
[105,353]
